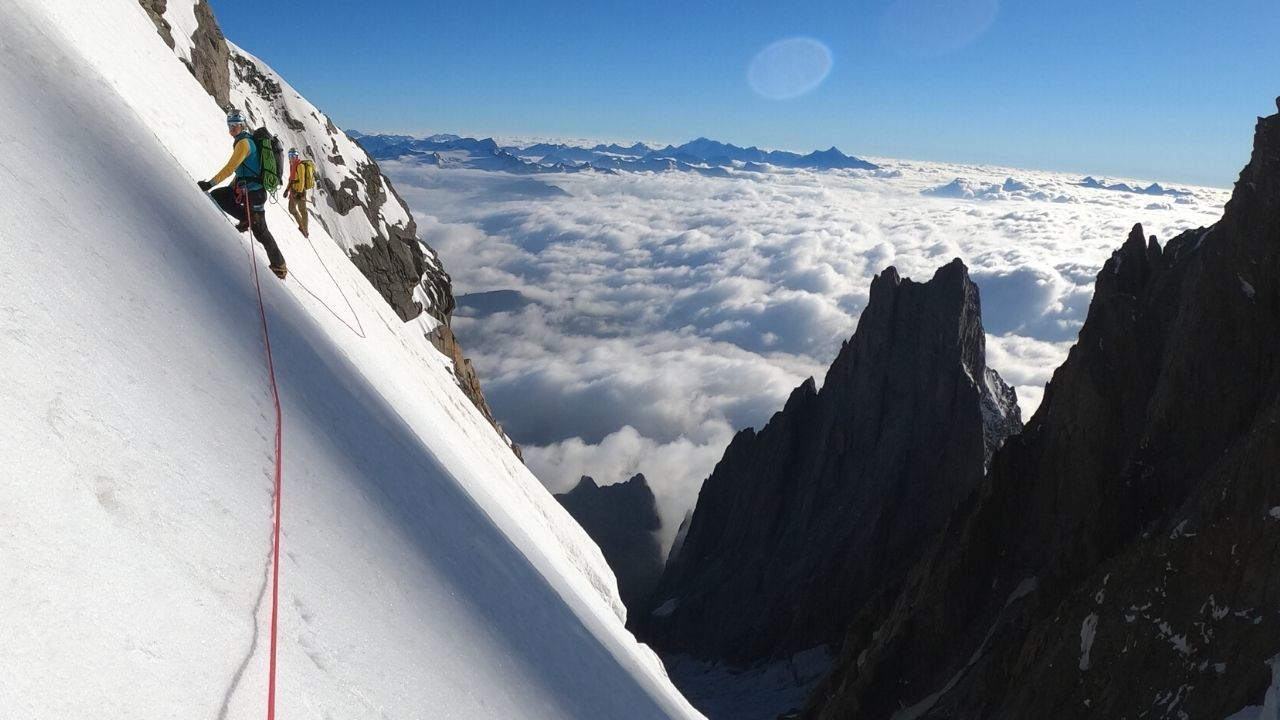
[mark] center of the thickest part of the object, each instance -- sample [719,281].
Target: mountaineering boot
[280,270]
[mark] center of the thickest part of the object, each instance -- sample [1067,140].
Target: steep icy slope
[425,572]
[353,200]
[356,204]
[359,209]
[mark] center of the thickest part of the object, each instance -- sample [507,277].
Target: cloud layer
[647,317]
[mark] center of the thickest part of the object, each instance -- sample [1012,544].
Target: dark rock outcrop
[259,83]
[1122,558]
[209,51]
[623,520]
[801,522]
[210,55]
[682,531]
[465,373]
[156,9]
[386,262]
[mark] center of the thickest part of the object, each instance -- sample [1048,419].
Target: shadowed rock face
[1122,558]
[623,520]
[801,522]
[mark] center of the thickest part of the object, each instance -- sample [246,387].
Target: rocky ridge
[801,522]
[1122,557]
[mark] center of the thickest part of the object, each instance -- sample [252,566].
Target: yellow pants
[298,209]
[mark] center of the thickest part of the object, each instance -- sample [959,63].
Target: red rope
[275,543]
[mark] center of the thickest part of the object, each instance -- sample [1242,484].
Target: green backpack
[271,156]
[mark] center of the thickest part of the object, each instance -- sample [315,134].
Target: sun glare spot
[789,68]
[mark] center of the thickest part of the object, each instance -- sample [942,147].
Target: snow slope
[425,573]
[314,140]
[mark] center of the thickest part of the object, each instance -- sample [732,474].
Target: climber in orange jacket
[302,179]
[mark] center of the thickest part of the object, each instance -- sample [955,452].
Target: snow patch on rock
[1088,631]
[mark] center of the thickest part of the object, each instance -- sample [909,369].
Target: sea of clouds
[634,322]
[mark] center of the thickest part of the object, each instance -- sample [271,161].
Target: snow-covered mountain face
[358,207]
[424,571]
[354,201]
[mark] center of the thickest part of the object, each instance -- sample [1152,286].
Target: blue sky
[1148,90]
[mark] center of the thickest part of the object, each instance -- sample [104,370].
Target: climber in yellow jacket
[302,179]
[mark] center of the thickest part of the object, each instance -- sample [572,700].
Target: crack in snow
[253,646]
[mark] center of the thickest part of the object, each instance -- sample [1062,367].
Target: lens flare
[789,68]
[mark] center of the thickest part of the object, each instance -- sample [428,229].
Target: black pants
[229,200]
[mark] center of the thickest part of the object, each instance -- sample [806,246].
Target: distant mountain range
[1152,189]
[703,156]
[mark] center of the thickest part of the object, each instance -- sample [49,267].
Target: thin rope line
[275,552]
